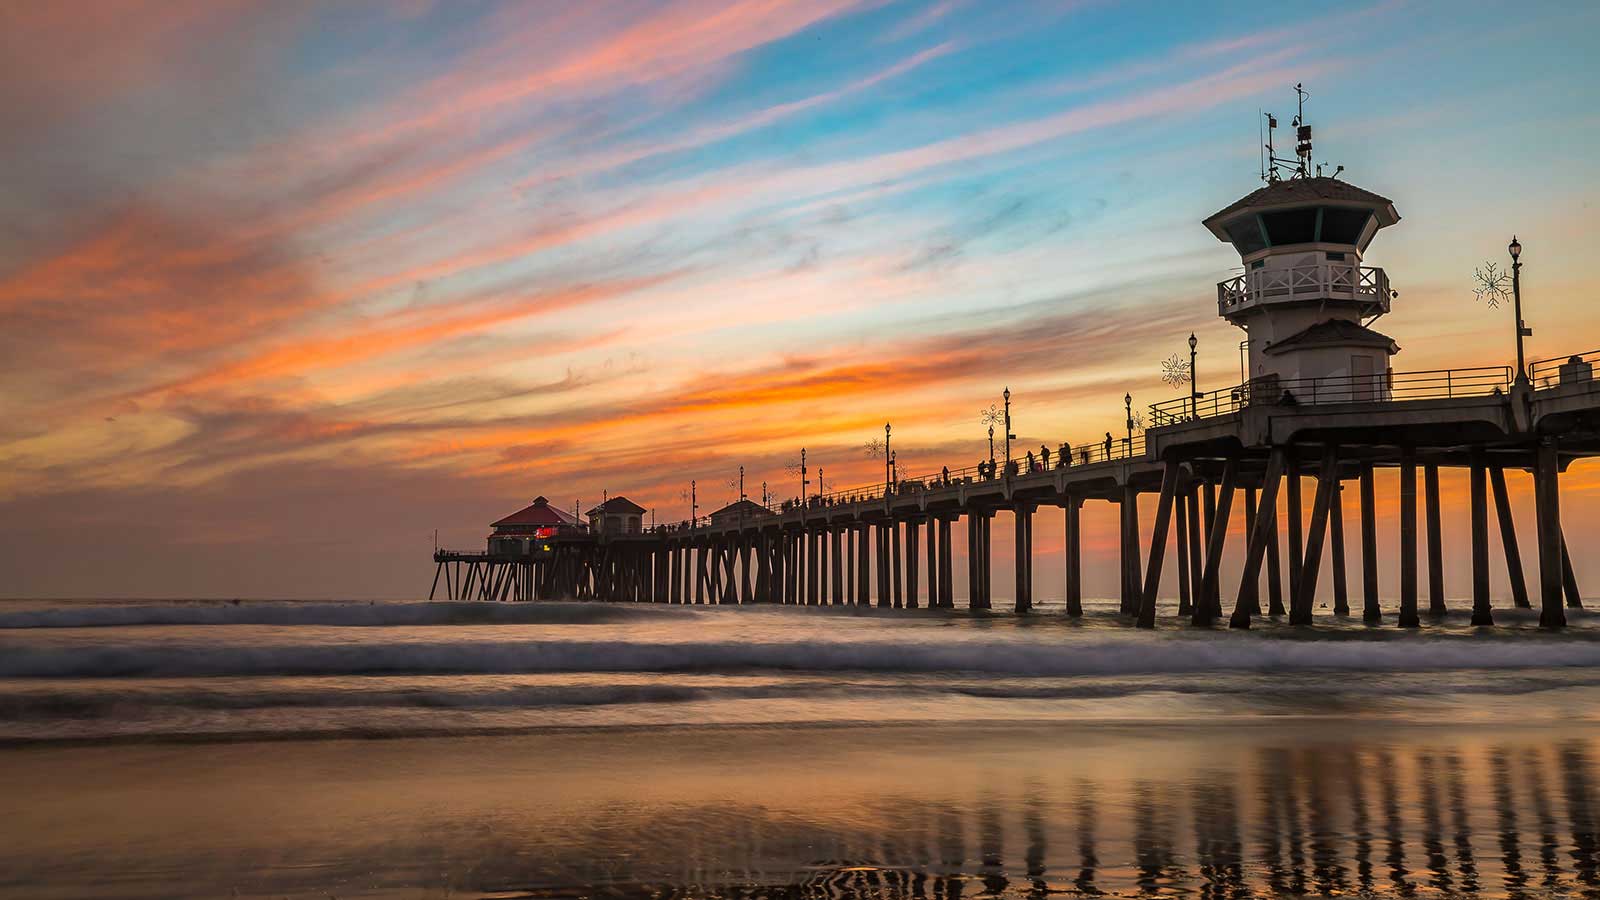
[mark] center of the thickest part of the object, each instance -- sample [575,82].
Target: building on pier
[1304,299]
[528,529]
[741,510]
[617,515]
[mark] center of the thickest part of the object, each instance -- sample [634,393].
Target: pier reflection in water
[830,813]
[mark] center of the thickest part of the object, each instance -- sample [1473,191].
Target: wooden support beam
[911,564]
[1408,539]
[1207,612]
[1250,590]
[1260,536]
[1569,579]
[1179,493]
[1370,611]
[1296,512]
[947,566]
[1196,555]
[1430,507]
[1341,588]
[894,562]
[437,568]
[973,569]
[864,573]
[1023,516]
[1274,567]
[1481,612]
[885,597]
[1074,556]
[933,563]
[1547,499]
[1131,576]
[1158,542]
[837,537]
[1508,538]
[1327,478]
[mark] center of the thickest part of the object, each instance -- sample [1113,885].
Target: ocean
[314,749]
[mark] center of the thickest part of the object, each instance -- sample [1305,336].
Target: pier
[1322,407]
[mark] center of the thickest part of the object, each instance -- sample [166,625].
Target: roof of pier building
[536,514]
[617,506]
[745,508]
[1334,333]
[1307,193]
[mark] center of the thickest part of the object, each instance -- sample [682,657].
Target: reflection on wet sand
[1430,817]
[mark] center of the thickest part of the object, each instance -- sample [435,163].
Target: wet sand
[1273,807]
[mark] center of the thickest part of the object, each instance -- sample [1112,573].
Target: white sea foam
[1110,655]
[331,614]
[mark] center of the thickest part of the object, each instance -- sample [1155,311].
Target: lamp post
[804,481]
[991,443]
[1194,382]
[1515,248]
[741,482]
[819,484]
[1009,436]
[694,507]
[1127,401]
[888,476]
[894,469]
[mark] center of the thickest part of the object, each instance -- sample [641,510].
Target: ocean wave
[1103,656]
[333,614]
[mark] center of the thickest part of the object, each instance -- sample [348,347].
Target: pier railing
[1335,280]
[1558,370]
[1434,384]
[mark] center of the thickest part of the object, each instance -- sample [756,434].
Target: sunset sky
[284,287]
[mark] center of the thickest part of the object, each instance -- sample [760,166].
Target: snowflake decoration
[1175,371]
[873,448]
[994,415]
[794,468]
[1493,284]
[1138,421]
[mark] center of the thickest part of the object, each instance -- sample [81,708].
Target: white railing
[1316,281]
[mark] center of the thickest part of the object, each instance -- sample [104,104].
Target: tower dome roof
[1292,192]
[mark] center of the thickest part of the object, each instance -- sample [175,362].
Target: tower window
[1343,226]
[1245,234]
[1291,226]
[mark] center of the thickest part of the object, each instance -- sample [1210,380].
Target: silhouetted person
[1030,461]
[1044,454]
[1064,456]
[946,474]
[1108,445]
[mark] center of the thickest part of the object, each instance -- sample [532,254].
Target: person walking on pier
[945,474]
[1044,454]
[1108,445]
[1030,462]
[1064,455]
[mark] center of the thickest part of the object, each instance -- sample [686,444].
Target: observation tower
[1305,300]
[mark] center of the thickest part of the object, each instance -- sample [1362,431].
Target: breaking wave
[1087,657]
[333,614]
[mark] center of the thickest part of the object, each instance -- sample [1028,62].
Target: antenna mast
[1275,167]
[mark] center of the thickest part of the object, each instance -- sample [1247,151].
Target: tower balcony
[1326,280]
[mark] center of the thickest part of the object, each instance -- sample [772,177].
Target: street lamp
[1515,248]
[741,482]
[1194,383]
[1009,436]
[1127,401]
[991,443]
[888,476]
[694,507]
[819,483]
